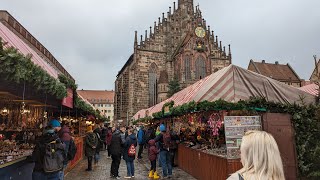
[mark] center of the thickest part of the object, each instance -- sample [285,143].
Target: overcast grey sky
[93,39]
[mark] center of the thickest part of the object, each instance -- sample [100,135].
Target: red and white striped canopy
[12,40]
[232,84]
[311,88]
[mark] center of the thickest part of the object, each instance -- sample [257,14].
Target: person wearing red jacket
[108,140]
[152,153]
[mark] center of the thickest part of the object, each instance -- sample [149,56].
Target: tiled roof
[281,72]
[97,96]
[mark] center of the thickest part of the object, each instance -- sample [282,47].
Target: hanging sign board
[68,101]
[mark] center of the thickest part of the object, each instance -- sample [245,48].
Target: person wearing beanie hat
[38,154]
[91,143]
[55,124]
[164,139]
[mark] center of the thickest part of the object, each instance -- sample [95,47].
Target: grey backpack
[53,157]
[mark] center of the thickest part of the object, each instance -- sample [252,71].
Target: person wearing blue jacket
[141,141]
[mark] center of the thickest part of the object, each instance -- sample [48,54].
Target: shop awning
[12,39]
[232,84]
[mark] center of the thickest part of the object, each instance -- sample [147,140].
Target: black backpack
[53,157]
[72,151]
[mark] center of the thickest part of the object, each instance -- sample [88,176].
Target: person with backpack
[141,141]
[164,139]
[104,131]
[129,153]
[91,143]
[152,153]
[48,155]
[97,132]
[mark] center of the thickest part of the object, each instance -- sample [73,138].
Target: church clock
[200,32]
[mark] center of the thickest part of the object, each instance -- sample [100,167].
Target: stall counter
[205,166]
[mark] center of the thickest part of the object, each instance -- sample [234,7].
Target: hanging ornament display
[215,123]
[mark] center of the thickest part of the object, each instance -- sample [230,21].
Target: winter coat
[108,137]
[141,136]
[131,139]
[97,132]
[91,144]
[39,150]
[116,143]
[152,151]
[104,133]
[64,134]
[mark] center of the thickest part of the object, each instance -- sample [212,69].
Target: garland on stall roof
[17,68]
[305,119]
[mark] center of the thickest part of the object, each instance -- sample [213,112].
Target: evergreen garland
[17,68]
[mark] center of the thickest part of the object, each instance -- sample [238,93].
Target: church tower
[179,45]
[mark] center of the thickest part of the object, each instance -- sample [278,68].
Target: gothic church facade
[180,45]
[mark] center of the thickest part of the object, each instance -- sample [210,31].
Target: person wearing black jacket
[38,154]
[115,151]
[97,132]
[104,131]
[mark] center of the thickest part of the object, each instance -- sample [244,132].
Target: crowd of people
[260,155]
[124,141]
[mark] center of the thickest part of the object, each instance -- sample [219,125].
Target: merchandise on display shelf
[235,128]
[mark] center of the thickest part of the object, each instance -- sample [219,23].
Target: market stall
[212,115]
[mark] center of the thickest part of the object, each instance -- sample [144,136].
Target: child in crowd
[152,152]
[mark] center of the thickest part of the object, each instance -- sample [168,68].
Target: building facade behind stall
[281,72]
[179,45]
[101,100]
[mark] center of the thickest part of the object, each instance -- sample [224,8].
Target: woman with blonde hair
[260,158]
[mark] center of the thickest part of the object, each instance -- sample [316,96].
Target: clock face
[200,32]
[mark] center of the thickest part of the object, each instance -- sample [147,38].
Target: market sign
[235,128]
[68,101]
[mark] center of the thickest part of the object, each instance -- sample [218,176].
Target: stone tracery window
[200,68]
[187,68]
[153,84]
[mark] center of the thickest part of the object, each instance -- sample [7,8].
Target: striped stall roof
[311,88]
[12,40]
[232,84]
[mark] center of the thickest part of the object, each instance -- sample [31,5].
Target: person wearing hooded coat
[131,139]
[91,143]
[39,151]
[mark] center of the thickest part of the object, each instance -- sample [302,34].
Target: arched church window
[187,68]
[200,68]
[153,84]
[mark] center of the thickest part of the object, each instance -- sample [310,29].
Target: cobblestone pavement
[101,171]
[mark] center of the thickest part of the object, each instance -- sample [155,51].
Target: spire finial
[146,36]
[220,46]
[229,49]
[159,20]
[162,17]
[224,49]
[155,27]
[135,38]
[174,6]
[170,10]
[230,56]
[150,31]
[217,39]
[141,40]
